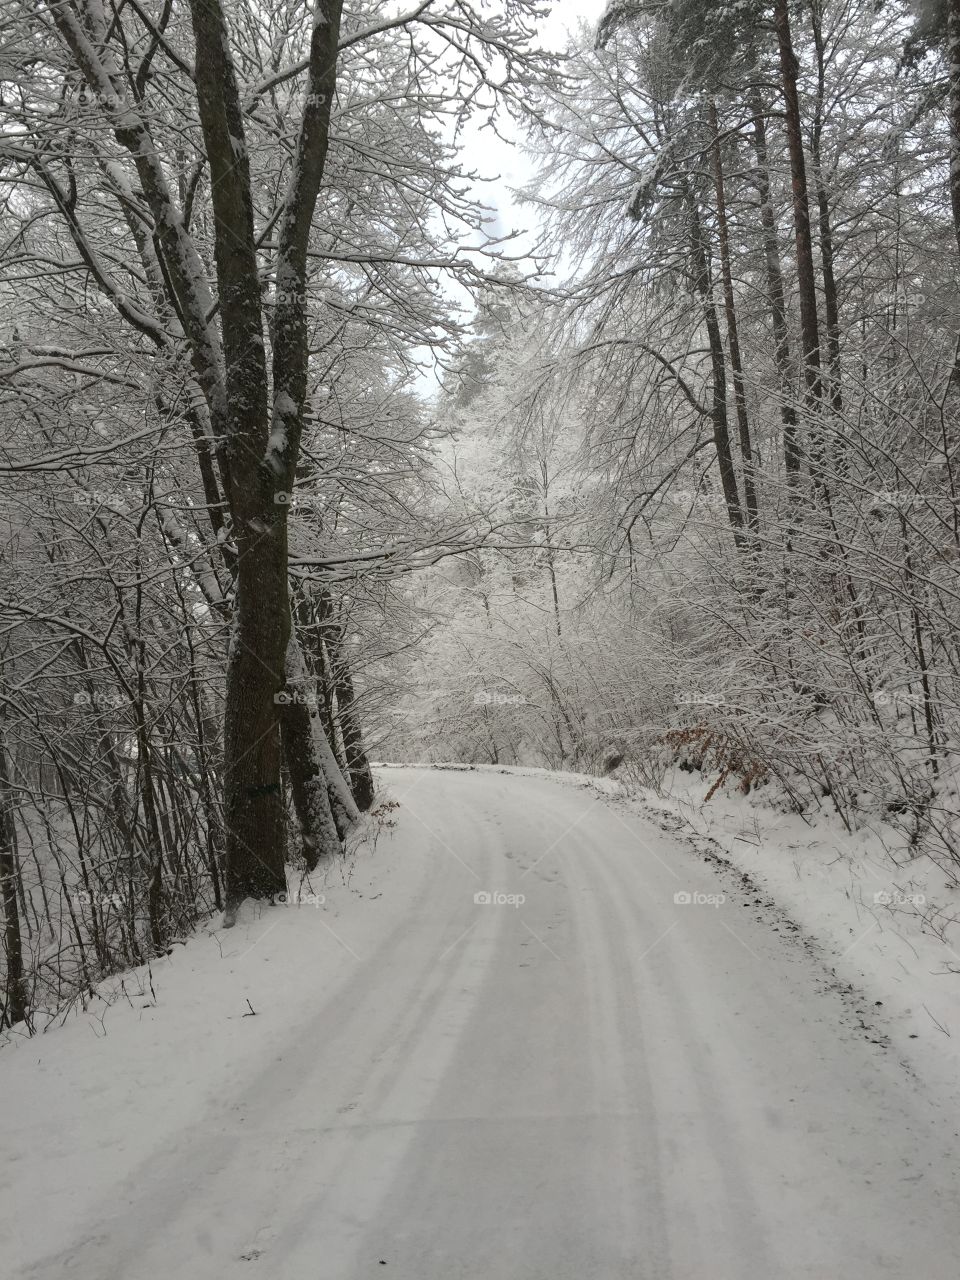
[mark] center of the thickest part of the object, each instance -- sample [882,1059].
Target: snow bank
[886,921]
[180,1034]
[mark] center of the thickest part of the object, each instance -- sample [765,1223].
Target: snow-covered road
[597,1081]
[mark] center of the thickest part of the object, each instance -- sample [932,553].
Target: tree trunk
[721,431]
[308,783]
[330,648]
[15,1004]
[733,335]
[783,356]
[831,302]
[342,804]
[255,665]
[806,276]
[358,766]
[953,64]
[257,448]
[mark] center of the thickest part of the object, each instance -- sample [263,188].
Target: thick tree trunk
[255,839]
[255,850]
[257,448]
[290,347]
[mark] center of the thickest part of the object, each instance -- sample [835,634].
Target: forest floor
[628,1063]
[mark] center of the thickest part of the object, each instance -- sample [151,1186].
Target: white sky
[502,165]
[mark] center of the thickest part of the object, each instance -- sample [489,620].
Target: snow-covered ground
[884,920]
[621,1065]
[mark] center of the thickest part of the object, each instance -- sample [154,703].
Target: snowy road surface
[597,1082]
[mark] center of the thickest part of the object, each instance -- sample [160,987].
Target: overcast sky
[504,166]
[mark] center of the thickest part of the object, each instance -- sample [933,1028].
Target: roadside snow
[888,923]
[164,1045]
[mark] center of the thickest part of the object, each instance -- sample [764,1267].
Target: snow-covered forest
[440,438]
[311,460]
